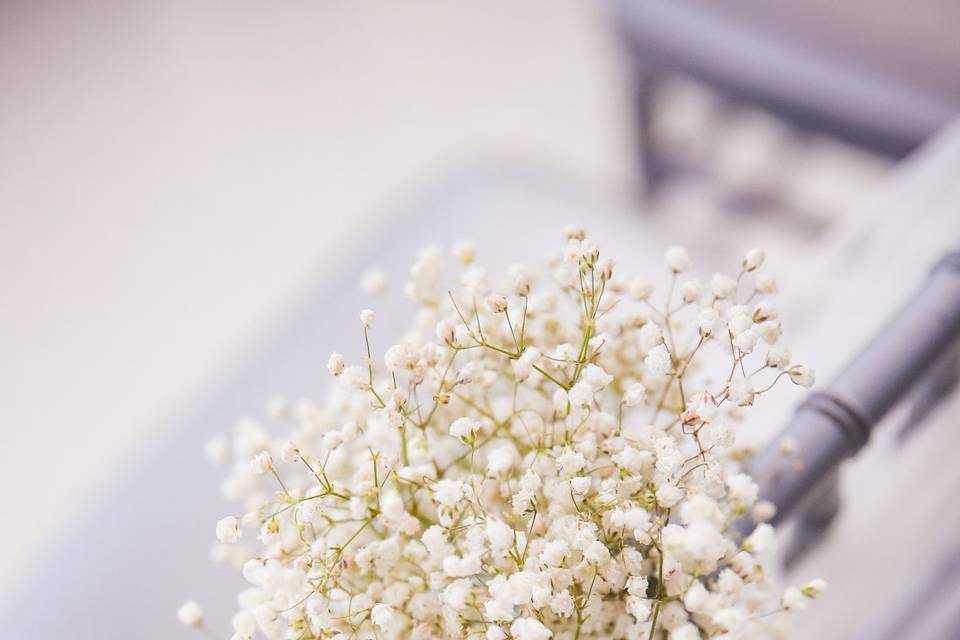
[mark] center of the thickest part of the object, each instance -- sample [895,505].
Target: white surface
[173,174]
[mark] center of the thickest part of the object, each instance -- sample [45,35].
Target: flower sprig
[549,458]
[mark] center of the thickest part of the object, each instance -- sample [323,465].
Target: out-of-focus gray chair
[878,73]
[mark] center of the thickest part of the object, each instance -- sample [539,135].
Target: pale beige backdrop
[173,174]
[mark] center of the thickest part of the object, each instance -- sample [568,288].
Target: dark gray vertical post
[813,521]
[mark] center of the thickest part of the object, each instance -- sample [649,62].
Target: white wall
[173,174]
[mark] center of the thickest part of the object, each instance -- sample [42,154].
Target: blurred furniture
[836,422]
[881,75]
[898,495]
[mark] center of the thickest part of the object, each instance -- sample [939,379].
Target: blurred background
[190,192]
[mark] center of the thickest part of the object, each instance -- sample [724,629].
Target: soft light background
[178,177]
[174,174]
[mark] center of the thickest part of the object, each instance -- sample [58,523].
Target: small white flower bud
[634,395]
[658,361]
[261,463]
[746,341]
[701,408]
[761,540]
[596,377]
[580,484]
[289,453]
[778,357]
[802,375]
[446,331]
[793,600]
[522,368]
[571,251]
[465,252]
[605,267]
[691,291]
[723,286]
[763,511]
[741,490]
[596,552]
[228,530]
[397,357]
[589,253]
[374,281]
[753,259]
[813,588]
[707,321]
[244,625]
[765,283]
[738,324]
[770,331]
[765,311]
[696,599]
[677,259]
[641,289]
[190,614]
[580,394]
[637,586]
[355,377]
[529,629]
[366,318]
[333,439]
[574,232]
[387,618]
[520,280]
[650,335]
[335,363]
[570,462]
[669,495]
[464,429]
[494,632]
[741,393]
[497,302]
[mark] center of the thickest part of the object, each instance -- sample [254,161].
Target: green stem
[550,378]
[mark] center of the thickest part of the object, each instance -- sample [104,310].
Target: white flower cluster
[533,461]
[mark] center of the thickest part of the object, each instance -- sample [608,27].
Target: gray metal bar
[834,424]
[814,520]
[941,381]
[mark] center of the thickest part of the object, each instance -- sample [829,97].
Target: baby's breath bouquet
[551,457]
